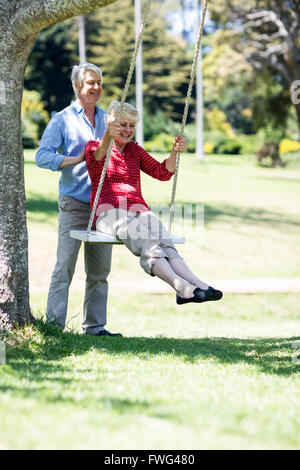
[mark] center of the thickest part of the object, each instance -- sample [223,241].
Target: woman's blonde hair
[128,112]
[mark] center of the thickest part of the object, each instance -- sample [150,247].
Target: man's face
[91,88]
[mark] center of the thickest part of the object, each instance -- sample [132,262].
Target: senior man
[62,149]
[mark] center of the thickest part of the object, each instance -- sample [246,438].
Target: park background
[220,375]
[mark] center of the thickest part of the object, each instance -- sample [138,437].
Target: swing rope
[184,117]
[186,109]
[124,94]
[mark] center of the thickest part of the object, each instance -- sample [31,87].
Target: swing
[93,236]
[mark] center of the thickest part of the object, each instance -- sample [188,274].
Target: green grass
[252,218]
[215,376]
[218,377]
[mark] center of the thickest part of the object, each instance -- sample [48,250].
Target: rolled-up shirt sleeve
[47,156]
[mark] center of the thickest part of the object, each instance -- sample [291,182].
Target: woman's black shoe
[201,295]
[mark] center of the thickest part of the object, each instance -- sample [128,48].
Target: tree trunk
[14,291]
[20,22]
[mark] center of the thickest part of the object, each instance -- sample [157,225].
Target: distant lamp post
[139,76]
[199,95]
[82,47]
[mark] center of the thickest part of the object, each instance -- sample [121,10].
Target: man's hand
[70,161]
[81,156]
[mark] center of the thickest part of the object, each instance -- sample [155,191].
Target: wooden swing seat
[94,236]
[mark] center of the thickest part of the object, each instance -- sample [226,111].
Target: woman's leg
[176,262]
[201,291]
[168,265]
[162,269]
[134,232]
[155,255]
[182,269]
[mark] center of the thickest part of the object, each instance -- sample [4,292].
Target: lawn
[216,376]
[251,223]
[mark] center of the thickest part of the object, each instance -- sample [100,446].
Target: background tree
[34,118]
[20,22]
[49,65]
[228,81]
[110,42]
[267,34]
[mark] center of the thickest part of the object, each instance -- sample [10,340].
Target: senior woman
[123,213]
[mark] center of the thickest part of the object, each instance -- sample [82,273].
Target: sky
[176,23]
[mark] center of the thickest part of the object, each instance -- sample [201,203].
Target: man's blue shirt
[65,135]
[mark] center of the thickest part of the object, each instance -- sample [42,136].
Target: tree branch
[36,15]
[259,61]
[265,16]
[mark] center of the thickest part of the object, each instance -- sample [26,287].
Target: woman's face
[127,129]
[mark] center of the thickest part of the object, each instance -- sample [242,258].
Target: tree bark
[20,22]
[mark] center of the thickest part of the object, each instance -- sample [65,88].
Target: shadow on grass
[238,215]
[228,213]
[40,204]
[268,355]
[45,387]
[32,161]
[43,383]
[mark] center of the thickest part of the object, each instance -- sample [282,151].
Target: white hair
[128,112]
[78,72]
